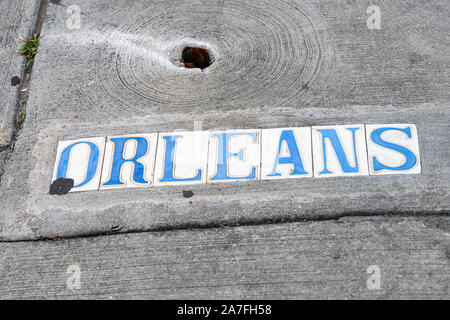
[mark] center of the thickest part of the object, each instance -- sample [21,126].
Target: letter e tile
[234,155]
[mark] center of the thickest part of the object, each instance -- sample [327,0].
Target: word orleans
[181,158]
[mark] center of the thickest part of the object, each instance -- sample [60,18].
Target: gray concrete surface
[17,20]
[276,64]
[2,160]
[285,261]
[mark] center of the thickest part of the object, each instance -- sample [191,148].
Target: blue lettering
[410,158]
[118,160]
[169,165]
[225,154]
[332,136]
[294,158]
[92,163]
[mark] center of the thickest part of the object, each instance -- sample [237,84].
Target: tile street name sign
[187,158]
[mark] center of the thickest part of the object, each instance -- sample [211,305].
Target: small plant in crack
[29,50]
[21,119]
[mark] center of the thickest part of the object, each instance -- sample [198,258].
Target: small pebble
[15,81]
[187,194]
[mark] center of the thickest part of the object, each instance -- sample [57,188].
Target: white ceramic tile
[393,149]
[234,155]
[340,156]
[286,153]
[189,162]
[129,161]
[80,160]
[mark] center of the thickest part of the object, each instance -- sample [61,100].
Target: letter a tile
[286,153]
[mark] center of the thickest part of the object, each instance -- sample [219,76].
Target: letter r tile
[393,149]
[286,153]
[129,161]
[339,151]
[80,160]
[182,158]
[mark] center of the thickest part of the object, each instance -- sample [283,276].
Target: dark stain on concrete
[61,186]
[187,193]
[15,81]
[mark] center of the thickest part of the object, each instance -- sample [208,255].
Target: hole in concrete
[15,81]
[187,193]
[193,57]
[61,186]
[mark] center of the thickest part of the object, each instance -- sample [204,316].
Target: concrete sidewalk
[319,260]
[116,75]
[111,67]
[18,19]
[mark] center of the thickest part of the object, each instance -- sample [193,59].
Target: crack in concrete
[430,220]
[22,96]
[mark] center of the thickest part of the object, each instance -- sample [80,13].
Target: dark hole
[15,81]
[188,193]
[195,58]
[61,186]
